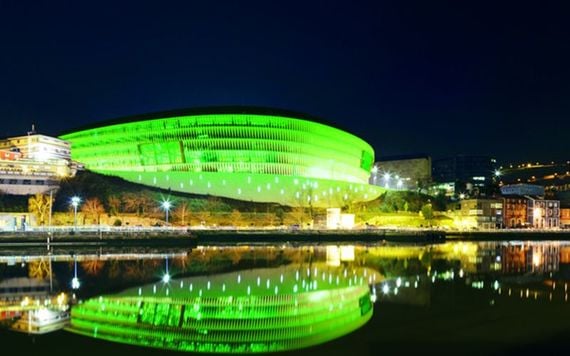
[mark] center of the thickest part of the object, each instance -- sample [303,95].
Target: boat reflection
[28,305]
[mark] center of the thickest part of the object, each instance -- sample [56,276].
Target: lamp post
[400,184]
[166,205]
[50,208]
[387,180]
[75,203]
[374,174]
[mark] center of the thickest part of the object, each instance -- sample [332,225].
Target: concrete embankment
[185,238]
[318,236]
[509,235]
[147,238]
[195,237]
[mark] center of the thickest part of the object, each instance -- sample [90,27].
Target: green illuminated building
[248,154]
[260,310]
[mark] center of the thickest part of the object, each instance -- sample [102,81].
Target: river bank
[193,237]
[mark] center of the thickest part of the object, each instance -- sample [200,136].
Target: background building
[522,189]
[554,177]
[410,172]
[33,164]
[531,211]
[468,175]
[565,217]
[543,214]
[515,211]
[250,154]
[482,213]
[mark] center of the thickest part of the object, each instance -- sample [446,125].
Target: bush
[117,222]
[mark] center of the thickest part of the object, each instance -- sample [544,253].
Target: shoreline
[187,237]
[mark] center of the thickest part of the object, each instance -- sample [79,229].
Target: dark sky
[433,77]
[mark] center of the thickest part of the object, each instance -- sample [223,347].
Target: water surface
[508,297]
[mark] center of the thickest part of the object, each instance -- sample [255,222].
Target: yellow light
[536,260]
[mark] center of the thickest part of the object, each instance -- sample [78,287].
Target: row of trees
[183,211]
[144,205]
[406,201]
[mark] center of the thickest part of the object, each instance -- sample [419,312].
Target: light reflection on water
[465,277]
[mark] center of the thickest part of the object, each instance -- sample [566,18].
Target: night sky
[427,77]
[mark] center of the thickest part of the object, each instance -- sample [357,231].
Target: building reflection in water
[257,310]
[28,305]
[199,308]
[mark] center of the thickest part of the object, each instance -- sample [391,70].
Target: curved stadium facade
[246,154]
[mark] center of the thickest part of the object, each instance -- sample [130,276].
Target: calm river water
[504,297]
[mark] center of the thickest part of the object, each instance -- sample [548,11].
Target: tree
[93,209]
[147,203]
[139,203]
[114,204]
[182,211]
[299,215]
[427,212]
[203,216]
[280,214]
[235,218]
[131,202]
[215,205]
[269,219]
[440,201]
[39,205]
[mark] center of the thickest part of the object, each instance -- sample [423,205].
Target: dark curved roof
[254,110]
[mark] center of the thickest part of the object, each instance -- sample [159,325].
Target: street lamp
[374,173]
[75,203]
[386,179]
[50,207]
[399,184]
[166,205]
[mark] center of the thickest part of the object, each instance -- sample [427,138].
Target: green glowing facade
[246,154]
[263,310]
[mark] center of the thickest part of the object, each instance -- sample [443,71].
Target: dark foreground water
[453,298]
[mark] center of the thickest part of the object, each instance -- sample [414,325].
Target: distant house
[483,213]
[531,211]
[565,217]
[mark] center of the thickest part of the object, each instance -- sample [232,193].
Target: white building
[33,164]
